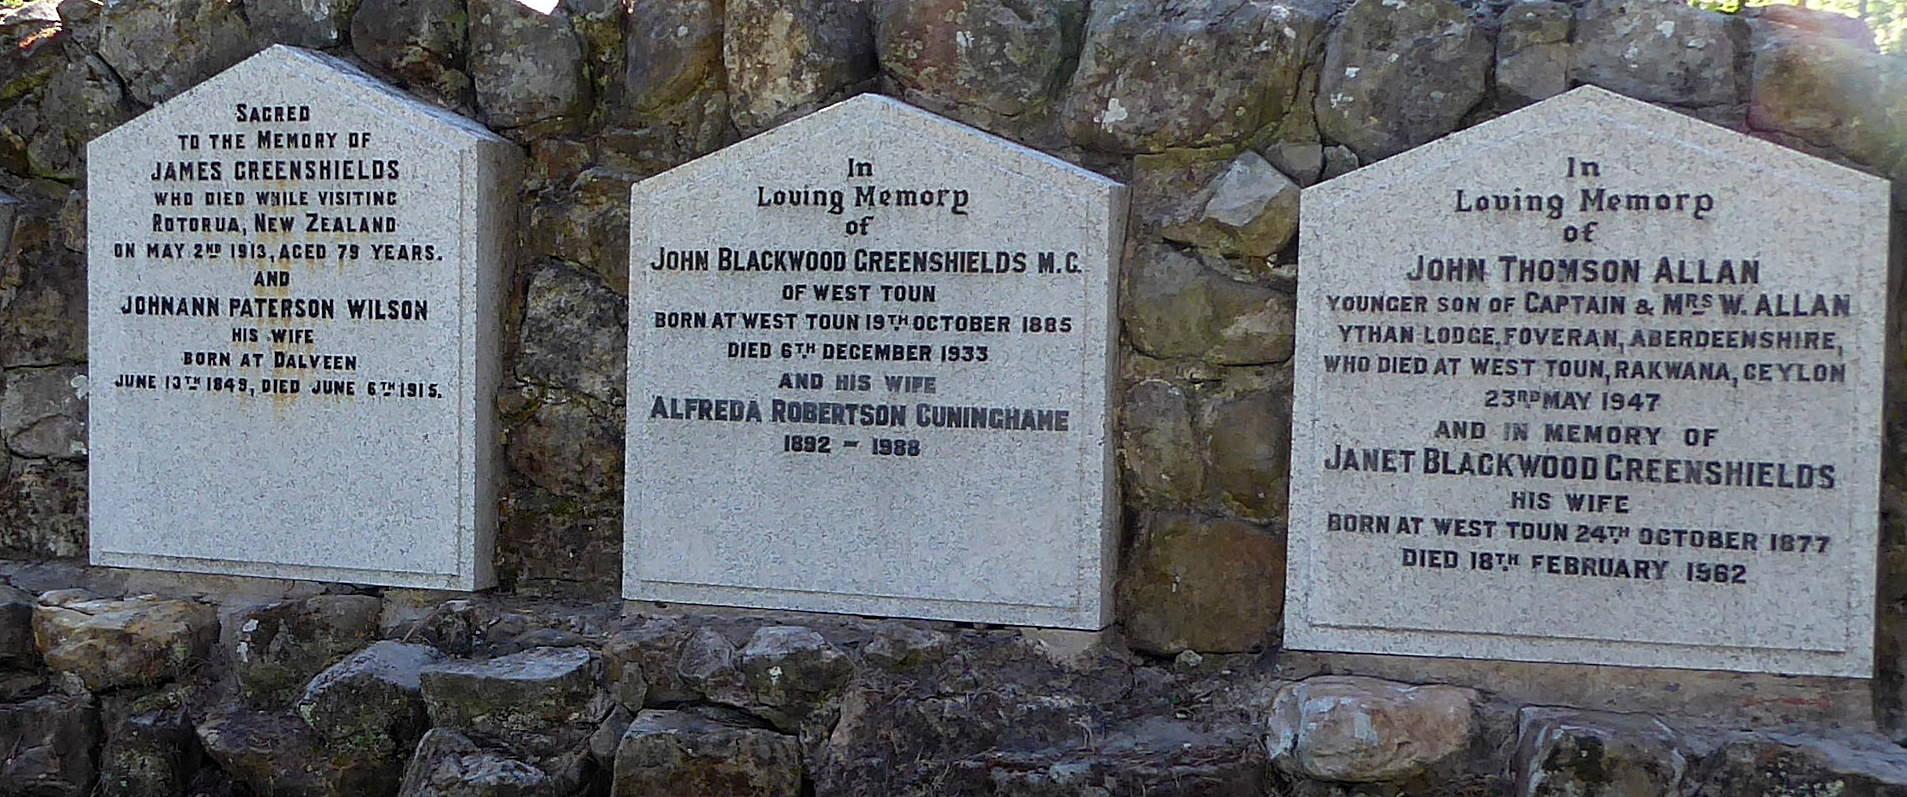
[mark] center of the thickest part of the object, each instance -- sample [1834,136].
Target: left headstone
[295,284]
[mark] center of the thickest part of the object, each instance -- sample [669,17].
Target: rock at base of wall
[679,752]
[49,743]
[1348,728]
[113,643]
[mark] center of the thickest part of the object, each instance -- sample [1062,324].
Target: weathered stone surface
[586,222]
[1250,324]
[30,52]
[673,56]
[449,764]
[679,752]
[318,24]
[569,445]
[675,103]
[608,737]
[9,214]
[1303,161]
[622,672]
[1348,728]
[899,646]
[560,545]
[1828,92]
[1158,447]
[1658,50]
[541,638]
[43,412]
[114,643]
[555,161]
[16,628]
[490,626]
[1168,188]
[706,666]
[1817,21]
[278,647]
[372,700]
[526,66]
[1167,73]
[785,58]
[1249,450]
[1780,764]
[20,684]
[1157,759]
[1191,583]
[980,61]
[82,100]
[458,626]
[419,42]
[788,673]
[405,611]
[998,703]
[1568,753]
[1338,160]
[43,288]
[1398,73]
[527,692]
[42,510]
[574,333]
[159,48]
[1532,52]
[1176,307]
[1890,638]
[215,782]
[49,743]
[149,753]
[1250,210]
[599,27]
[650,650]
[304,23]
[279,755]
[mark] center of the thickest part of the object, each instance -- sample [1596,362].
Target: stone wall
[1215,111]
[140,684]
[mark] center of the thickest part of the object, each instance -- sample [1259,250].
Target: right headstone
[1594,382]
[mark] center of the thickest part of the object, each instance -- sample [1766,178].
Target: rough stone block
[1347,728]
[133,642]
[678,752]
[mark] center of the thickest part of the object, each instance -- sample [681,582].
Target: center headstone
[295,282]
[868,364]
[1593,382]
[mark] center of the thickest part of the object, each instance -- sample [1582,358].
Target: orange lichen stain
[34,39]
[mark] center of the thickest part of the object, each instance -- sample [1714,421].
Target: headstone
[868,364]
[296,275]
[1593,382]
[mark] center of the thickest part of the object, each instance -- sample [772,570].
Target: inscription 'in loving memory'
[859,306]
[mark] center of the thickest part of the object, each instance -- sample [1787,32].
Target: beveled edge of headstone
[1094,608]
[480,152]
[1606,107]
